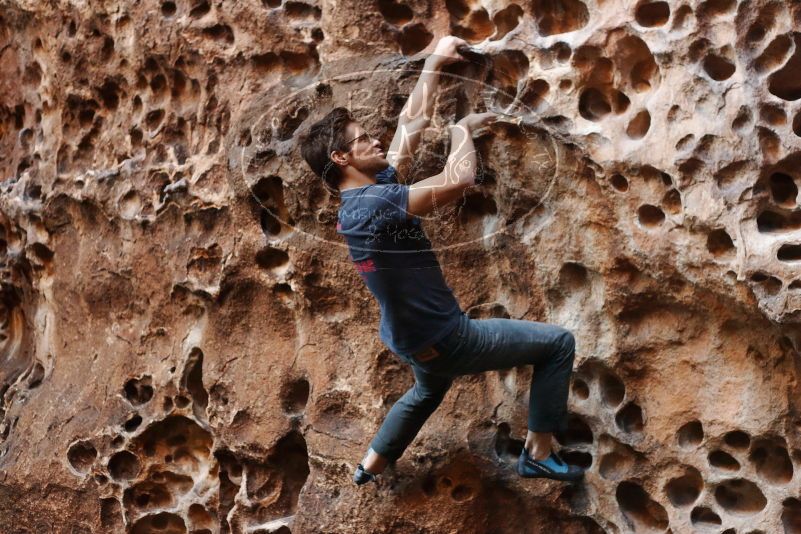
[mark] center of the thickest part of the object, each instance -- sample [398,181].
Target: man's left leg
[403,422]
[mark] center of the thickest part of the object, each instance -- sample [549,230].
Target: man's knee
[429,396]
[567,344]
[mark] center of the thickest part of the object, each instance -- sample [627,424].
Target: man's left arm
[419,108]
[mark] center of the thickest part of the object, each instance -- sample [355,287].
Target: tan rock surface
[187,348]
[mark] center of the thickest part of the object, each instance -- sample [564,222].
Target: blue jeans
[475,346]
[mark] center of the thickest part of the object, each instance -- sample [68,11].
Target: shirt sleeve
[387,176]
[387,204]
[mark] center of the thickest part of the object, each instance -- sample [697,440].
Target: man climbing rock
[421,321]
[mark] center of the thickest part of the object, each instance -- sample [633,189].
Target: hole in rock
[769,143]
[743,119]
[774,55]
[181,401]
[138,390]
[153,118]
[791,516]
[579,458]
[639,125]
[572,276]
[111,515]
[192,381]
[81,456]
[771,221]
[740,496]
[797,124]
[629,418]
[612,389]
[719,243]
[462,493]
[772,285]
[783,190]
[476,206]
[161,523]
[789,253]
[620,102]
[578,432]
[593,105]
[650,216]
[290,123]
[200,517]
[506,447]
[718,68]
[713,8]
[772,462]
[295,395]
[506,20]
[704,517]
[723,461]
[124,465]
[302,10]
[639,509]
[158,84]
[285,471]
[684,490]
[671,201]
[690,435]
[619,182]
[580,389]
[133,423]
[413,38]
[220,32]
[168,9]
[636,63]
[533,95]
[271,258]
[651,14]
[475,27]
[786,83]
[559,16]
[459,9]
[395,12]
[616,464]
[36,376]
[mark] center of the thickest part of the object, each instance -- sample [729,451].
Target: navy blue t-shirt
[394,258]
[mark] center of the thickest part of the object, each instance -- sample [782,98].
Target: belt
[426,354]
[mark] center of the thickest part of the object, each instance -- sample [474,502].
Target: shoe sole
[552,476]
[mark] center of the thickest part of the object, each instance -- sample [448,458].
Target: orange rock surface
[187,348]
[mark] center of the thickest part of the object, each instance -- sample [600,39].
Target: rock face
[186,346]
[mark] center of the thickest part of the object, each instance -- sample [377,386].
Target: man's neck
[353,179]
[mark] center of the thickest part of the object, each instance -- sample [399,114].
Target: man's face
[365,153]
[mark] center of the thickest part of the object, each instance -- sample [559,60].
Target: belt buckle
[426,354]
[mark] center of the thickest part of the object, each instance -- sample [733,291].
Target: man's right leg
[490,344]
[405,419]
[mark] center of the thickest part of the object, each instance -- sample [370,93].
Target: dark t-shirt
[394,258]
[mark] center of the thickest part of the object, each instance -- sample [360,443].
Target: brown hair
[322,137]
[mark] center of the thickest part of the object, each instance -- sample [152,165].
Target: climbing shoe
[362,476]
[552,467]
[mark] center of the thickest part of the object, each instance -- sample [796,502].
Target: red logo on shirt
[339,226]
[365,266]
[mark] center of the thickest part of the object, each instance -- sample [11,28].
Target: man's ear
[338,157]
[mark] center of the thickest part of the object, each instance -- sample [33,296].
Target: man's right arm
[459,172]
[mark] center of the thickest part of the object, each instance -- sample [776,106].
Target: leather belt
[426,354]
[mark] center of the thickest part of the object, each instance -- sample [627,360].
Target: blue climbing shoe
[552,467]
[362,476]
